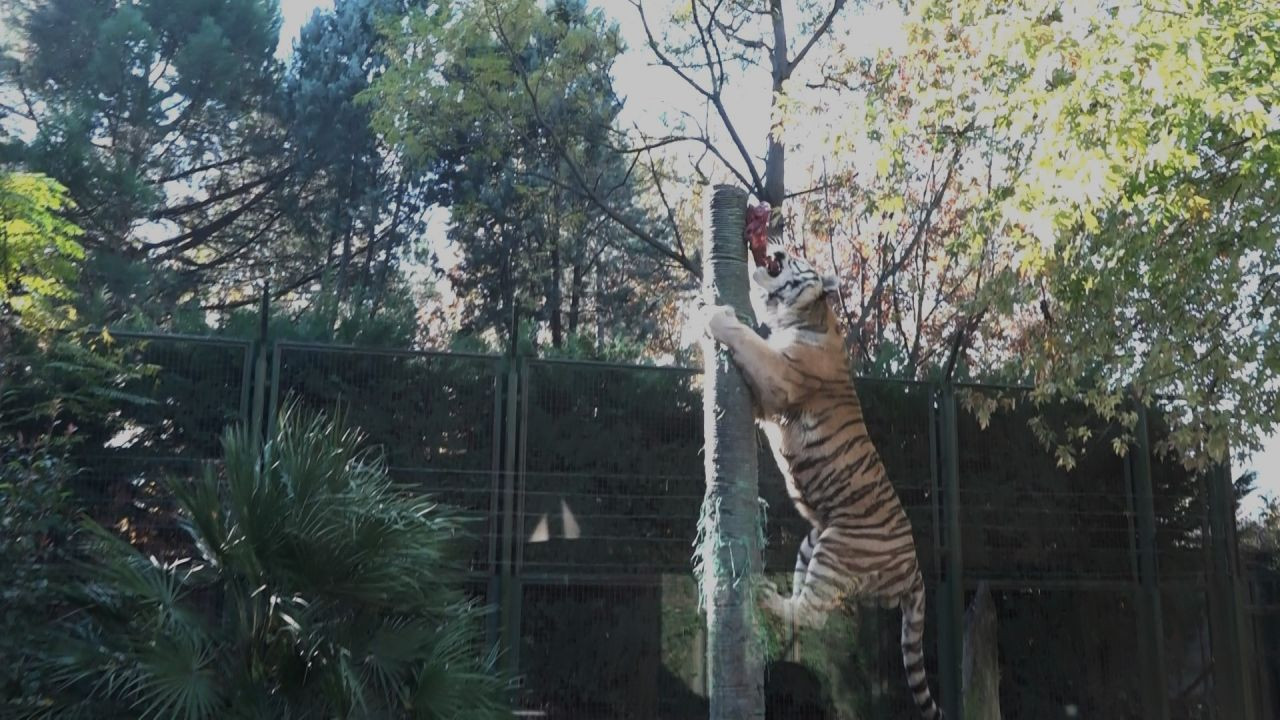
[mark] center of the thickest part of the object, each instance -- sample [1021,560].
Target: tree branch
[836,7]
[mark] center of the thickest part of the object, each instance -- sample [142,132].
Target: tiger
[860,546]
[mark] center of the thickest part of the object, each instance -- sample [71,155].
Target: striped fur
[861,546]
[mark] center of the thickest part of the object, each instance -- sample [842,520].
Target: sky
[652,92]
[295,14]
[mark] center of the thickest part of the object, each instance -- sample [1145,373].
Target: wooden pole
[730,528]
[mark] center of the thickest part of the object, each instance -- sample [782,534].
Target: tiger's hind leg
[824,587]
[803,556]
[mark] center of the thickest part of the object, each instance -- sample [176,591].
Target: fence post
[729,549]
[258,421]
[1226,615]
[950,601]
[1155,696]
[508,583]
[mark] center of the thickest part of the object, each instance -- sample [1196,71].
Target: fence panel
[609,482]
[1262,618]
[434,415]
[188,391]
[1059,550]
[611,478]
[1182,554]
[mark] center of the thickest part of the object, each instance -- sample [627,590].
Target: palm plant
[317,589]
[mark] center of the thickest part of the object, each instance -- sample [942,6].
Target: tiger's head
[792,294]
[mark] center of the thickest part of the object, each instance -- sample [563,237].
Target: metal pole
[1155,696]
[509,583]
[730,550]
[951,590]
[1230,670]
[260,369]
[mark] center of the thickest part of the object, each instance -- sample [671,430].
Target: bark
[554,292]
[980,673]
[599,310]
[575,297]
[730,549]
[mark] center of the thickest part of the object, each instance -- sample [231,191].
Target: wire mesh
[1261,570]
[1026,518]
[611,476]
[590,651]
[1067,653]
[1182,517]
[1063,547]
[433,415]
[609,482]
[1188,653]
[167,426]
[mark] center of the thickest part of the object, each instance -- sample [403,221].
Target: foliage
[1130,153]
[37,525]
[151,114]
[39,252]
[1261,533]
[511,107]
[49,370]
[362,199]
[317,589]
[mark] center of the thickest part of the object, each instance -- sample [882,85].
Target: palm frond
[316,588]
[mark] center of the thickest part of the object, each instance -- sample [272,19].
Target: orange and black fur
[860,547]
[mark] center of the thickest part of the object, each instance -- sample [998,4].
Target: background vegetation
[1081,197]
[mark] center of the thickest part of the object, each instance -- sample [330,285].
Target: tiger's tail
[912,604]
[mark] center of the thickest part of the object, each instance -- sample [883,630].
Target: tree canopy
[1132,153]
[1077,197]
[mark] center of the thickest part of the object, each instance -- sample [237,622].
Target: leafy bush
[318,589]
[36,527]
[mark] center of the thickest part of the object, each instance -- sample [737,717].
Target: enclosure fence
[1116,589]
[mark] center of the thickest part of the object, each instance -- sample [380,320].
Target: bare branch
[712,96]
[662,195]
[813,39]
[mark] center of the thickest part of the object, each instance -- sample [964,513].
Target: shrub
[317,589]
[36,528]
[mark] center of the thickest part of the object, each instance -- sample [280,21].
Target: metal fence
[1117,587]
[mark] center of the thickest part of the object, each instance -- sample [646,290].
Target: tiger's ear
[830,283]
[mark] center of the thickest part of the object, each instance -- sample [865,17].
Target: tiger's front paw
[720,319]
[709,321]
[773,602]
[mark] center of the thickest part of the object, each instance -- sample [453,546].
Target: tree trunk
[553,295]
[575,297]
[980,668]
[599,309]
[729,553]
[348,203]
[775,158]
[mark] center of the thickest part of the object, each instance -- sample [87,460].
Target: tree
[318,588]
[505,104]
[154,116]
[40,254]
[1133,151]
[363,204]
